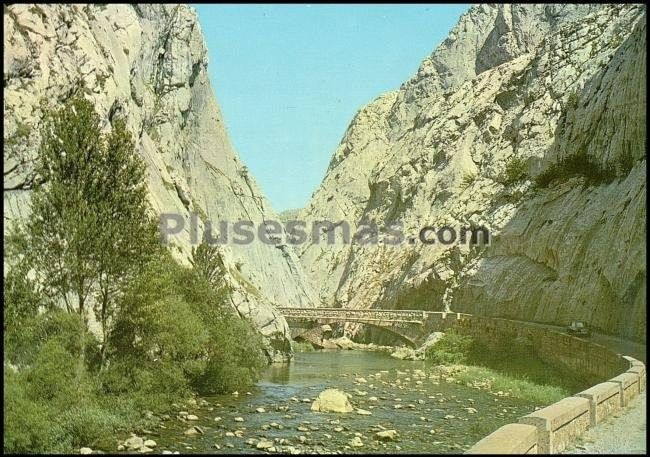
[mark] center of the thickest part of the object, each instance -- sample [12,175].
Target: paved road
[623,433]
[620,345]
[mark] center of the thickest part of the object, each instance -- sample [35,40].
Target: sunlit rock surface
[511,83]
[148,64]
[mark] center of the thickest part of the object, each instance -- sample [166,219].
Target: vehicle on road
[578,328]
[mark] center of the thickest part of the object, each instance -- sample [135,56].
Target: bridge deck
[415,316]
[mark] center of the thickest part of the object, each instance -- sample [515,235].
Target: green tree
[91,228]
[171,316]
[208,263]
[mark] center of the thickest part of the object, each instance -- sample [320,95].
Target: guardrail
[549,430]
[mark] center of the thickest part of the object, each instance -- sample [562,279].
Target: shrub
[56,375]
[235,357]
[302,346]
[468,180]
[172,315]
[572,100]
[452,348]
[53,404]
[27,425]
[516,170]
[579,164]
[23,343]
[624,163]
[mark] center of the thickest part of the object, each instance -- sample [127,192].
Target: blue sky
[289,78]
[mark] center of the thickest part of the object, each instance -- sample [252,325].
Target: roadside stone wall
[591,360]
[549,430]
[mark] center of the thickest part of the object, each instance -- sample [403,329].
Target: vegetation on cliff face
[90,249]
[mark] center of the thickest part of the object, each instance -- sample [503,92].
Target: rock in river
[332,400]
[386,435]
[264,444]
[133,443]
[356,442]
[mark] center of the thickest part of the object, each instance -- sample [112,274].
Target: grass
[506,365]
[514,359]
[200,211]
[517,387]
[579,164]
[169,186]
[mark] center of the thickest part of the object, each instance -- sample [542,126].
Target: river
[430,416]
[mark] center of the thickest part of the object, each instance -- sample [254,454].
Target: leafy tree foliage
[91,228]
[91,242]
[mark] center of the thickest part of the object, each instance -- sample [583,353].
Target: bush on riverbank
[167,331]
[451,348]
[173,336]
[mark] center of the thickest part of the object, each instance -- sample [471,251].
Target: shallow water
[423,405]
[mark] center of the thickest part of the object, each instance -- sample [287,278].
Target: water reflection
[278,373]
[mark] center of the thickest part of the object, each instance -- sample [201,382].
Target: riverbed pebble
[134,443]
[356,442]
[264,444]
[193,431]
[387,435]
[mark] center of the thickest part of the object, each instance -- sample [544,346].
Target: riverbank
[431,409]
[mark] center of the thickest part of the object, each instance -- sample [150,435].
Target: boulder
[405,353]
[332,400]
[194,431]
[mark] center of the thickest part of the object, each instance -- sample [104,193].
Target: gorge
[528,120]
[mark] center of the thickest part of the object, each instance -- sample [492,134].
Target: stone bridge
[412,326]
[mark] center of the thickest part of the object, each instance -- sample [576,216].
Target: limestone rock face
[147,64]
[525,85]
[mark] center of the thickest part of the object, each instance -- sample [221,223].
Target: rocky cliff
[147,64]
[528,120]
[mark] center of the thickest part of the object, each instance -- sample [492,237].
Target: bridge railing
[356,314]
